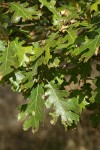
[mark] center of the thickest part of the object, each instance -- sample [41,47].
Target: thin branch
[24,25]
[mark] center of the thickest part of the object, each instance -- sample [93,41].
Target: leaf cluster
[45,46]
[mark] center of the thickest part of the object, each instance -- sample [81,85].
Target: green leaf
[95,6]
[96,94]
[22,11]
[38,51]
[51,6]
[34,109]
[20,51]
[29,79]
[66,108]
[67,40]
[6,61]
[90,45]
[2,45]
[16,81]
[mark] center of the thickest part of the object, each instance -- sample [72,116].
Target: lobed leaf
[67,108]
[34,109]
[22,11]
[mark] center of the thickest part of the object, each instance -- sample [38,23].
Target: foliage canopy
[42,44]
